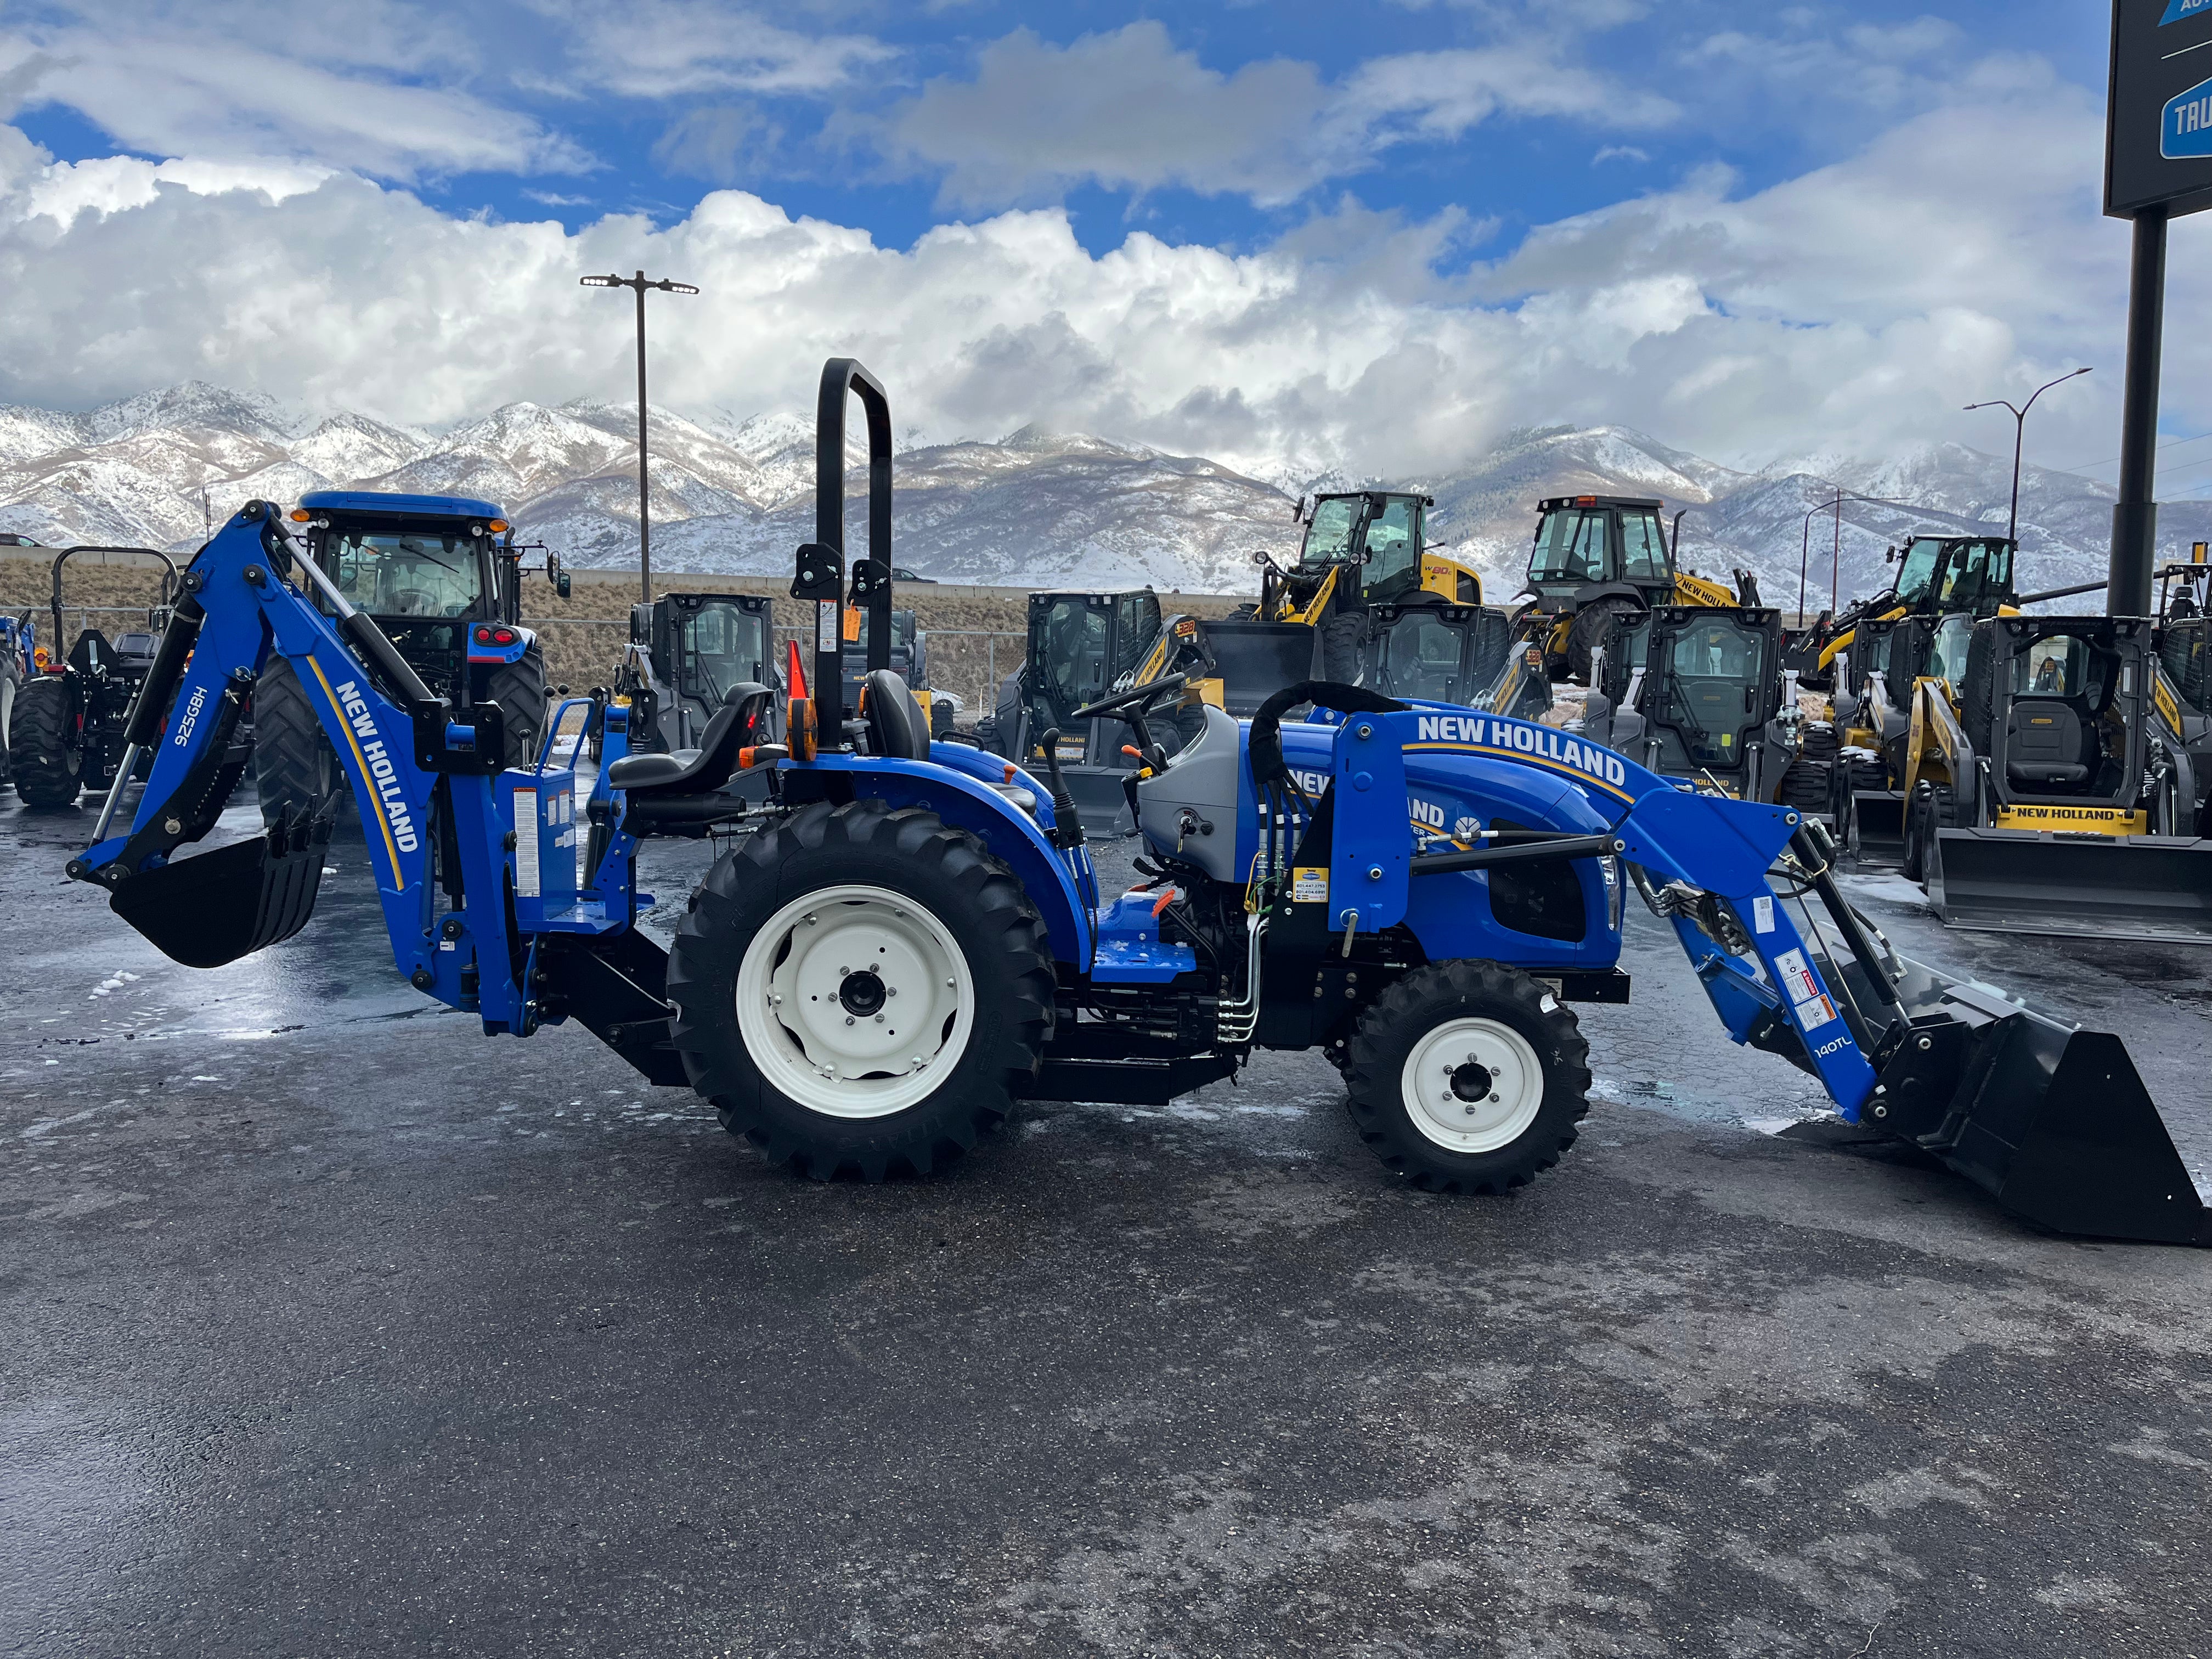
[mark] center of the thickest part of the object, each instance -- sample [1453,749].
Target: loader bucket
[216,907]
[1255,659]
[2052,1121]
[2040,881]
[1879,831]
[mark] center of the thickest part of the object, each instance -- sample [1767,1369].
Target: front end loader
[911,938]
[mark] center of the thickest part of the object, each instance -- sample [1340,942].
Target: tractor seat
[896,727]
[2047,742]
[702,770]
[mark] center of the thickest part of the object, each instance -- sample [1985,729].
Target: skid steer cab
[910,939]
[685,651]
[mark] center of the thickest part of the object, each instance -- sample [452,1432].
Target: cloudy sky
[1366,235]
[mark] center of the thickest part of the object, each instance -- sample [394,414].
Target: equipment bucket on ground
[214,908]
[2031,881]
[2052,1121]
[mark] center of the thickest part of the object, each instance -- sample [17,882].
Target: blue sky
[1742,227]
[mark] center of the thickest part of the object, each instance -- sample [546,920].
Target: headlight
[1616,892]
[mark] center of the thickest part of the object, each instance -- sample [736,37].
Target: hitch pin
[1351,921]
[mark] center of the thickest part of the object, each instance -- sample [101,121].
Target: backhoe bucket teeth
[216,907]
[2024,881]
[2052,1121]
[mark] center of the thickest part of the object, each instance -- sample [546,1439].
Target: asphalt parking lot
[333,1326]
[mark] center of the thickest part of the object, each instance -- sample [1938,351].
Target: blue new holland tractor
[911,938]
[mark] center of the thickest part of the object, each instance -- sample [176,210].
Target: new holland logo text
[191,713]
[1483,733]
[391,797]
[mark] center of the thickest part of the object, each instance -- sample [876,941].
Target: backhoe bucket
[216,907]
[2040,881]
[2052,1121]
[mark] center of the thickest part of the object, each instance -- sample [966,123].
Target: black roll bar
[821,563]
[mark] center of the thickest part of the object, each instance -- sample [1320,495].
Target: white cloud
[191,91]
[666,48]
[1854,308]
[1129,111]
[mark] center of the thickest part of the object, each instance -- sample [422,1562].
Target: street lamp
[2018,432]
[644,505]
[1835,555]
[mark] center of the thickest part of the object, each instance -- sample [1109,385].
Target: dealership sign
[2158,140]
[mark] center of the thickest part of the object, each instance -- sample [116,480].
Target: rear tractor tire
[1469,1077]
[1592,630]
[295,771]
[861,990]
[47,765]
[518,688]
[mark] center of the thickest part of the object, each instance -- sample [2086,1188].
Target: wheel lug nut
[849,1019]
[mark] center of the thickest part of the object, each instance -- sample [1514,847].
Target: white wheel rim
[1473,1085]
[827,1039]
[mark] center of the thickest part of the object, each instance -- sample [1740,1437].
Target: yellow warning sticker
[1309,884]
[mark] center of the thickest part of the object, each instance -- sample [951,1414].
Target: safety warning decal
[1802,986]
[525,843]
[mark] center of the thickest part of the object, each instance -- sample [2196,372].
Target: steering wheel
[1132,705]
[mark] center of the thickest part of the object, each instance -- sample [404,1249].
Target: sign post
[2158,163]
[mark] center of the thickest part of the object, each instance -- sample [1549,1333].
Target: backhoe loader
[911,938]
[1603,561]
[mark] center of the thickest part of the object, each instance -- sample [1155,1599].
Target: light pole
[1836,555]
[644,505]
[2019,433]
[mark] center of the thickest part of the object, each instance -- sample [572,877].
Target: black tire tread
[702,968]
[518,688]
[294,768]
[1395,1019]
[46,772]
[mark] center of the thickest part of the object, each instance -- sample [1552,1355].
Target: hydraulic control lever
[1066,826]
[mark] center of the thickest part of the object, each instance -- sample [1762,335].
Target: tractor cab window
[1946,653]
[1072,665]
[1975,575]
[1719,651]
[1393,545]
[1137,622]
[1329,532]
[1642,548]
[1422,658]
[1917,572]
[413,573]
[718,646]
[1718,667]
[1570,548]
[2062,665]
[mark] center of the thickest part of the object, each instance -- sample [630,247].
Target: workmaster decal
[2176,10]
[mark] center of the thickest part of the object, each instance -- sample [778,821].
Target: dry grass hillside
[974,630]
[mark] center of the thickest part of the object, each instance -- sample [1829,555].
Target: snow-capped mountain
[1033,509]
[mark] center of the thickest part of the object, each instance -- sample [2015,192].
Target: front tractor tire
[1469,1077]
[44,755]
[859,990]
